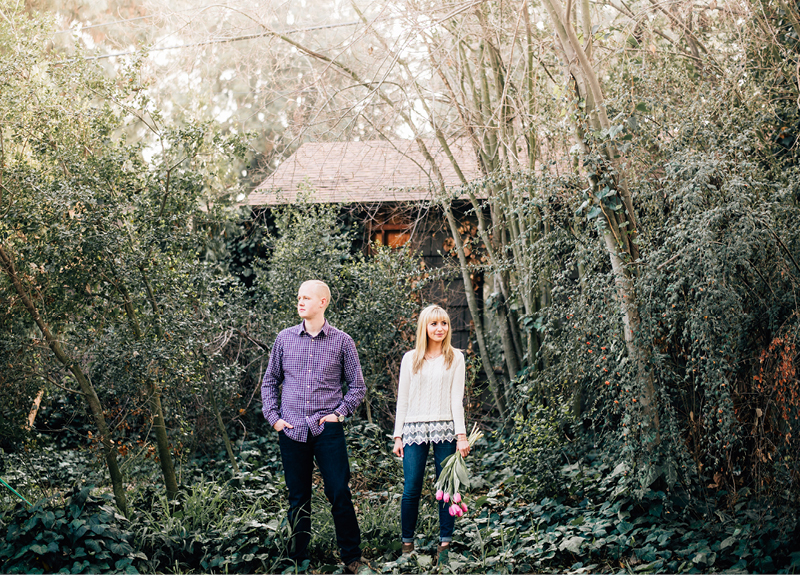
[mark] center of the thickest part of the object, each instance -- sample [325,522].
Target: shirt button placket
[308,384]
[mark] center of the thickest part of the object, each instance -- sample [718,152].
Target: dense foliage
[138,304]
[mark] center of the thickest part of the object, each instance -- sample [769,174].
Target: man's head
[313,298]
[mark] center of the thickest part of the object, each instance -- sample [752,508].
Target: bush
[86,535]
[372,299]
[211,526]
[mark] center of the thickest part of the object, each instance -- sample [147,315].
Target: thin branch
[250,338]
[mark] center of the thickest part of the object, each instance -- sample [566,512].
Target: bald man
[311,361]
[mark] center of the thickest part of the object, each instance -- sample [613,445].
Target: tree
[98,247]
[372,298]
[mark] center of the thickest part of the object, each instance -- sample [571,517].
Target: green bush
[235,527]
[85,535]
[372,298]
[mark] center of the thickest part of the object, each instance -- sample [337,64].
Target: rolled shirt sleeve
[356,388]
[273,378]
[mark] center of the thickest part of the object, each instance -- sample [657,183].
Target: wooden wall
[428,233]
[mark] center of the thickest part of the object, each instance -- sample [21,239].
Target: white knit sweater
[432,394]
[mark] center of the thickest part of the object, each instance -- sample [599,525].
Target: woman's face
[437,330]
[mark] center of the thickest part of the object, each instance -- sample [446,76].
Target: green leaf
[572,544]
[48,520]
[594,212]
[623,527]
[119,548]
[642,107]
[461,473]
[606,191]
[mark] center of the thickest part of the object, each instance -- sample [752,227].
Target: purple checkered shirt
[311,370]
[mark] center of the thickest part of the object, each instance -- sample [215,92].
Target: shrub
[85,535]
[212,526]
[372,298]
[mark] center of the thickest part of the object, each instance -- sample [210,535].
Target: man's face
[310,301]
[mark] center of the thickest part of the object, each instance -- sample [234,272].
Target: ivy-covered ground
[591,518]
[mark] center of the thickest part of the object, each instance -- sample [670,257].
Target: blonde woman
[430,413]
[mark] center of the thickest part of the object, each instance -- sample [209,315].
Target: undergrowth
[577,509]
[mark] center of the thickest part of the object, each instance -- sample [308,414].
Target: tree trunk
[476,313]
[162,441]
[218,416]
[153,396]
[509,349]
[37,402]
[87,389]
[618,239]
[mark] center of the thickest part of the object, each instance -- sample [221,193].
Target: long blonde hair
[426,316]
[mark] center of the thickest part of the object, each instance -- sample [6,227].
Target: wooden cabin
[388,186]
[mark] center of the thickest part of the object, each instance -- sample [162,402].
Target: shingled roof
[362,172]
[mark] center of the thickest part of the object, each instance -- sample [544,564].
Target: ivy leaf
[48,519]
[623,527]
[605,192]
[572,544]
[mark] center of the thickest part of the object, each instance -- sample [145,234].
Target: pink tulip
[439,495]
[464,507]
[457,498]
[451,511]
[446,497]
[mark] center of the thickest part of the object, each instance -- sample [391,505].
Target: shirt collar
[300,329]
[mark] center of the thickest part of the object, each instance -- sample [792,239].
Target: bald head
[320,288]
[313,298]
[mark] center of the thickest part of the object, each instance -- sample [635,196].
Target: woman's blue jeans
[414,458]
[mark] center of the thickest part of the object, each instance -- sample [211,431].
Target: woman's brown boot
[408,548]
[443,554]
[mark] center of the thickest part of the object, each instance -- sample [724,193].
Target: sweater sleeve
[457,393]
[402,395]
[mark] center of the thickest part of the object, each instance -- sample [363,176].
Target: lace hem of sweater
[419,432]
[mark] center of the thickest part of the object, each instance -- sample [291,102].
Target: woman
[429,413]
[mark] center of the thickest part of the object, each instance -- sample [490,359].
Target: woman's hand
[462,445]
[398,447]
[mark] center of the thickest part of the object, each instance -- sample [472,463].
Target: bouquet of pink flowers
[454,474]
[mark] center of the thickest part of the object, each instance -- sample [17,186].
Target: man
[310,360]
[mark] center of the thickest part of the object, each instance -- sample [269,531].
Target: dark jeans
[414,458]
[330,451]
